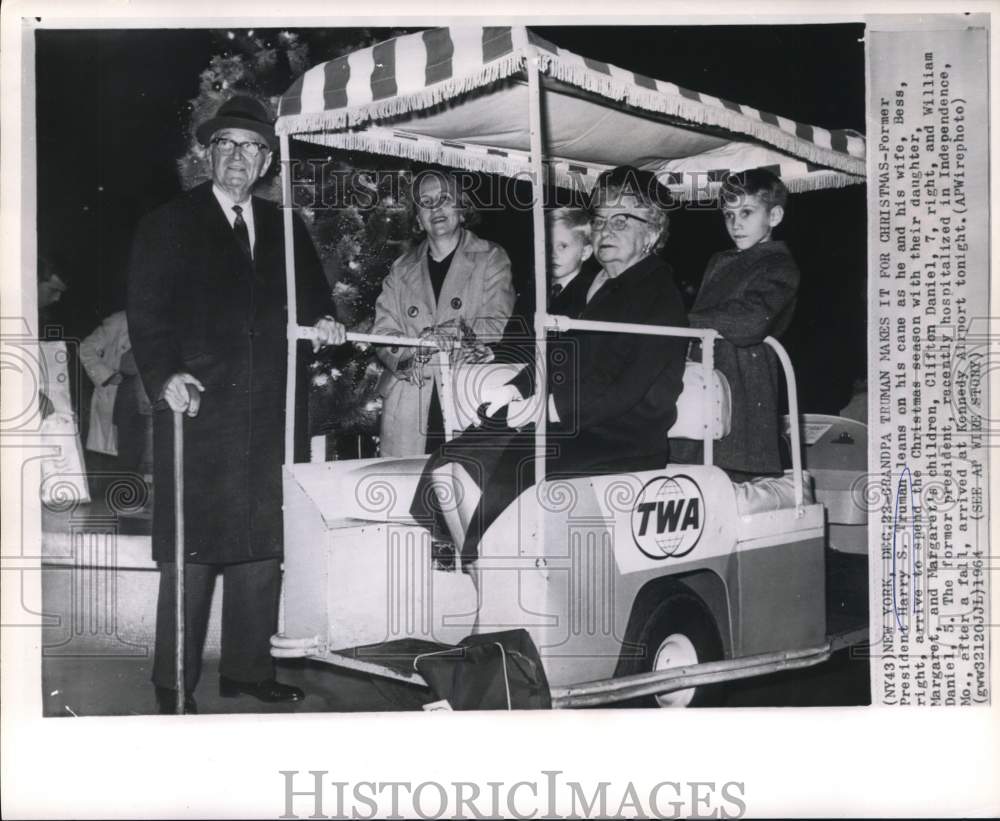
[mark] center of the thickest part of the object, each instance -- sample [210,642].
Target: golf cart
[659,585]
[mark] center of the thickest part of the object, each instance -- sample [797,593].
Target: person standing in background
[101,354]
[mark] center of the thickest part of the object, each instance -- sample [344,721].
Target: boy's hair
[757,182]
[576,220]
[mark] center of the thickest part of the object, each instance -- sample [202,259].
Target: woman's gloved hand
[444,337]
[499,396]
[412,370]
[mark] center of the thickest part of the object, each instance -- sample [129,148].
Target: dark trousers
[435,423]
[249,619]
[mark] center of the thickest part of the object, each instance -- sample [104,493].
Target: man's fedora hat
[240,112]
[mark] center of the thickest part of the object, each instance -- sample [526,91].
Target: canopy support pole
[293,323]
[708,363]
[541,289]
[793,419]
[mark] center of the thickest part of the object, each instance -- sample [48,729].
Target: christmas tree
[357,237]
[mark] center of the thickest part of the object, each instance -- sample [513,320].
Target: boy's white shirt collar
[226,203]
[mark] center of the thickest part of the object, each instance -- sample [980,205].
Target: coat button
[413,310]
[456,303]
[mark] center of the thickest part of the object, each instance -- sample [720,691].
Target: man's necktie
[242,234]
[555,290]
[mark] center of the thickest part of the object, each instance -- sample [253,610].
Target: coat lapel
[269,236]
[220,233]
[717,283]
[640,270]
[427,306]
[606,290]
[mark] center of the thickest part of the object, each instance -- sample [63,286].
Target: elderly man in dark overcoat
[207,312]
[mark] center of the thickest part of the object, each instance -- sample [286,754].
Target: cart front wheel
[676,650]
[679,632]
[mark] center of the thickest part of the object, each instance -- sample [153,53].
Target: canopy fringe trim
[396,106]
[518,166]
[695,112]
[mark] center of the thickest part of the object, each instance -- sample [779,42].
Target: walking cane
[179,558]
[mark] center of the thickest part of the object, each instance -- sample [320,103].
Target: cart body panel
[352,582]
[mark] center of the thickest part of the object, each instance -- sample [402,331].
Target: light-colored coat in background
[101,355]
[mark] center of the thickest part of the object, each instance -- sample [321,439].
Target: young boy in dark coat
[748,293]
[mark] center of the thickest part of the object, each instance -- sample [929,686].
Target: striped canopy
[458,97]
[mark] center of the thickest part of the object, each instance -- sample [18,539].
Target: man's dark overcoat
[197,303]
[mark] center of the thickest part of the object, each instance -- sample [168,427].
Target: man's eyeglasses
[616,222]
[247,149]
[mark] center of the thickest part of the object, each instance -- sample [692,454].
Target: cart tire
[678,631]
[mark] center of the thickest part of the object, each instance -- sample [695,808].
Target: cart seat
[769,493]
[470,381]
[381,490]
[836,453]
[691,417]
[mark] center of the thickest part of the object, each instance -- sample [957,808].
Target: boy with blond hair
[569,248]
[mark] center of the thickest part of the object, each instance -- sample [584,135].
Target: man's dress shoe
[269,690]
[166,701]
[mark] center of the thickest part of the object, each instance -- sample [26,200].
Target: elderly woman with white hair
[611,396]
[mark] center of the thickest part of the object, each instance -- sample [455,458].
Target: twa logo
[668,517]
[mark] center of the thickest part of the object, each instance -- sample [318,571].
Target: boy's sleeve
[745,320]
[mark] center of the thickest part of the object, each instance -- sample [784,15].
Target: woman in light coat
[451,276]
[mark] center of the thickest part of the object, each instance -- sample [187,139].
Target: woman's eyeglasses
[442,201]
[616,222]
[247,149]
